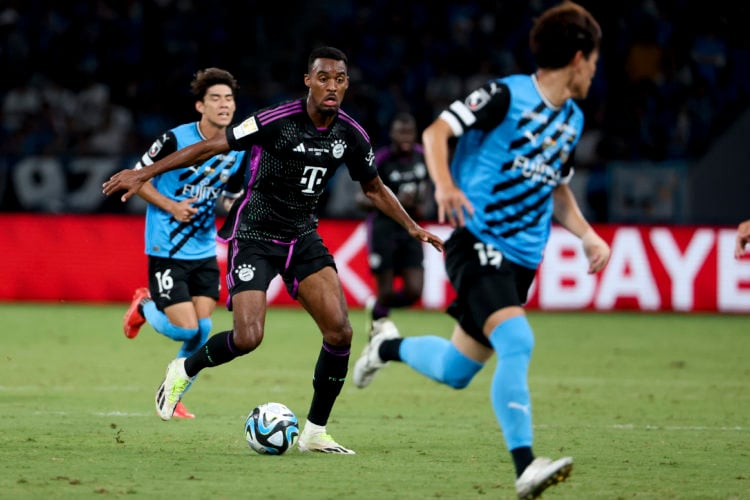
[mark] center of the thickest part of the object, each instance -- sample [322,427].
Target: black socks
[219,349]
[522,457]
[330,373]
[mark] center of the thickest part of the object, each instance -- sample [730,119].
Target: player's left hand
[127,180]
[597,251]
[426,236]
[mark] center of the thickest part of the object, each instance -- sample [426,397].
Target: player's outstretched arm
[131,181]
[384,200]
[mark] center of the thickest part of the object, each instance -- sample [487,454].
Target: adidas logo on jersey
[300,148]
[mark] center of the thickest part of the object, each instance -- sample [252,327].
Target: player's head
[403,132]
[327,79]
[214,90]
[567,35]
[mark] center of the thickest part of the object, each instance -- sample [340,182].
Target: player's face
[327,82]
[403,136]
[218,105]
[585,71]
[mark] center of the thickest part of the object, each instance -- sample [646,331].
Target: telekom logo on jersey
[312,177]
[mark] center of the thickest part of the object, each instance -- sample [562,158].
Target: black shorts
[252,264]
[484,282]
[172,281]
[391,247]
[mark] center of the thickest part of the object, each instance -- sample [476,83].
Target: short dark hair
[326,53]
[559,32]
[404,117]
[205,78]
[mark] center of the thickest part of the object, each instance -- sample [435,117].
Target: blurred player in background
[295,149]
[508,177]
[392,251]
[180,235]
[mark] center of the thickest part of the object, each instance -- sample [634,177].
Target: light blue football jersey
[514,148]
[219,175]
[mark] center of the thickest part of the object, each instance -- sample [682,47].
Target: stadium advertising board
[100,258]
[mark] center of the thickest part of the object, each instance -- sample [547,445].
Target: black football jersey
[289,164]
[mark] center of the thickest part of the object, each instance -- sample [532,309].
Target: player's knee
[523,337]
[340,336]
[459,377]
[513,336]
[459,370]
[248,337]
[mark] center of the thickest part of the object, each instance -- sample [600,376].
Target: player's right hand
[183,211]
[128,180]
[452,205]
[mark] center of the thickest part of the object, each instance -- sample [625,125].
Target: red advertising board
[99,258]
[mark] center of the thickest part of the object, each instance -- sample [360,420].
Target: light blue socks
[159,321]
[513,342]
[189,347]
[192,338]
[438,359]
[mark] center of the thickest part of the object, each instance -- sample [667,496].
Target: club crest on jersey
[337,148]
[245,128]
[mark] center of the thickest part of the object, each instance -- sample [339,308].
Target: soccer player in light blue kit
[508,178]
[180,234]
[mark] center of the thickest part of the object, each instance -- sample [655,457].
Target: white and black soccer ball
[271,429]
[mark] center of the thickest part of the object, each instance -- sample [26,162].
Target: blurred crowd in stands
[106,77]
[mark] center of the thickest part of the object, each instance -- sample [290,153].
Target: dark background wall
[104,78]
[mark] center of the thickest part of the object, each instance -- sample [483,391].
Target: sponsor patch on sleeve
[245,128]
[155,148]
[477,99]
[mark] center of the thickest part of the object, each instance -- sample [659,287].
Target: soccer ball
[271,429]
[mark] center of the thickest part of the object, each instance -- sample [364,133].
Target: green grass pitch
[649,405]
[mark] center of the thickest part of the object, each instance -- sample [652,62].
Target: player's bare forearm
[396,212]
[131,181]
[384,200]
[181,210]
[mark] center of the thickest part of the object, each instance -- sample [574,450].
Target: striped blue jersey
[514,148]
[220,175]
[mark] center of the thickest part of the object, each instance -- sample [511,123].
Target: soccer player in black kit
[392,251]
[294,148]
